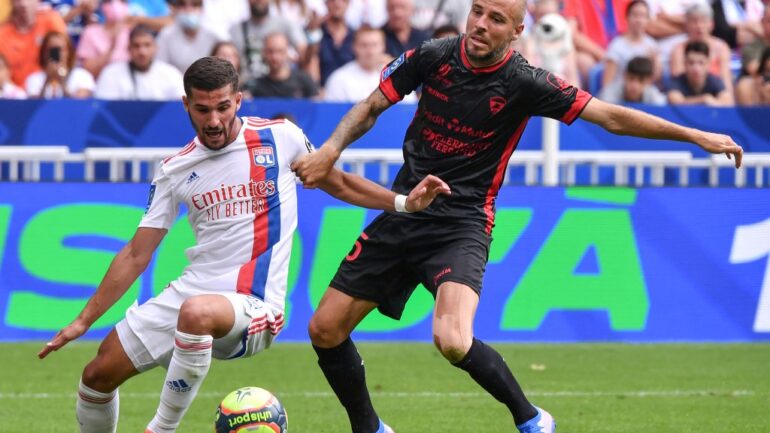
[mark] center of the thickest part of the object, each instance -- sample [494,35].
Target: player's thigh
[453,315]
[111,366]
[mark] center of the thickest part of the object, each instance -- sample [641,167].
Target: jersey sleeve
[555,98]
[162,206]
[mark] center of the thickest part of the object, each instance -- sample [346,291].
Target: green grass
[590,388]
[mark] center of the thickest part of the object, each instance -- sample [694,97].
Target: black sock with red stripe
[344,370]
[489,370]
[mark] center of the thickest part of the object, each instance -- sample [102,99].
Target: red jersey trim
[185,150]
[486,69]
[581,100]
[497,180]
[387,89]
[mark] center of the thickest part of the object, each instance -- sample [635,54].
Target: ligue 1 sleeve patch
[150,196]
[309,146]
[392,67]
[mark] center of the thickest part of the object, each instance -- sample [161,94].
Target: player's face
[492,26]
[213,114]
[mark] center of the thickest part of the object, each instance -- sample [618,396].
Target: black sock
[489,370]
[344,370]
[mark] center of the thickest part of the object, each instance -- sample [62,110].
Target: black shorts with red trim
[394,254]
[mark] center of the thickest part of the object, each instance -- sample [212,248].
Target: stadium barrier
[82,125]
[566,264]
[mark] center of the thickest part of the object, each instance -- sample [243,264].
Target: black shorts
[395,253]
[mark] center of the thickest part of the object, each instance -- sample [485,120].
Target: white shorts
[147,331]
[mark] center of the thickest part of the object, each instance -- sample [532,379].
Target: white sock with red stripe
[186,371]
[97,412]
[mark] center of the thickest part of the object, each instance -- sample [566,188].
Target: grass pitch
[589,388]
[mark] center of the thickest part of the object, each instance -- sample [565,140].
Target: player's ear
[186,103]
[238,99]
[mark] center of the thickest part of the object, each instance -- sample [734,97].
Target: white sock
[97,412]
[186,371]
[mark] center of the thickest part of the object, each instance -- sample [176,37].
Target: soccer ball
[251,409]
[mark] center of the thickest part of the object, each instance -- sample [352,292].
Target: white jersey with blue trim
[242,206]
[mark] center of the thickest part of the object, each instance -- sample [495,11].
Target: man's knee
[325,333]
[196,316]
[98,376]
[452,344]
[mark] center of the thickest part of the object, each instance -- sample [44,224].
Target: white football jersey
[242,204]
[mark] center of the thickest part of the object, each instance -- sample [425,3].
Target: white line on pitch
[430,394]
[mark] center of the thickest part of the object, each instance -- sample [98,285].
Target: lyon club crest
[263,156]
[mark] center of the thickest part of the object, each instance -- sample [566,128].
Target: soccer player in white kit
[235,181]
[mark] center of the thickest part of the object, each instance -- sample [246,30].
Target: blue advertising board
[566,264]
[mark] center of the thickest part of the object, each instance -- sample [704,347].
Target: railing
[138,164]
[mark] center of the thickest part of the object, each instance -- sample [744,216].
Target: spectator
[429,15]
[357,79]
[635,86]
[102,44]
[737,22]
[751,53]
[248,36]
[755,90]
[697,85]
[699,22]
[77,14]
[219,16]
[400,36]
[22,34]
[282,80]
[635,42]
[142,77]
[445,31]
[229,52]
[372,13]
[593,26]
[335,49]
[8,90]
[59,77]
[185,41]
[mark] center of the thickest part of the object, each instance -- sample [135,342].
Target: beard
[225,132]
[491,57]
[259,11]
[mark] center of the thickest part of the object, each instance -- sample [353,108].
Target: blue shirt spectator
[331,56]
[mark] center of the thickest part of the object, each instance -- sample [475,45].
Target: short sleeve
[402,75]
[295,142]
[162,207]
[80,79]
[555,98]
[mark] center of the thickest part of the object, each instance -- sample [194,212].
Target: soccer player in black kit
[477,95]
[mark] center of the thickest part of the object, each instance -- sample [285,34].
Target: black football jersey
[469,121]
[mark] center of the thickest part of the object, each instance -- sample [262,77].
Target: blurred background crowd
[654,52]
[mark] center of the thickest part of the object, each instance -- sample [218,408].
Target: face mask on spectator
[189,20]
[115,11]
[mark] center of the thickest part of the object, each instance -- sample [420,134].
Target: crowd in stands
[710,52]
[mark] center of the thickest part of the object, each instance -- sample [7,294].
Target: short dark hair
[696,47]
[763,61]
[633,3]
[210,73]
[139,30]
[640,67]
[445,31]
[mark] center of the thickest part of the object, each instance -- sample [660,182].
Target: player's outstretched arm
[125,268]
[626,121]
[365,193]
[312,168]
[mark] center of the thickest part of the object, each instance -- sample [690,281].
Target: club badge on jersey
[263,156]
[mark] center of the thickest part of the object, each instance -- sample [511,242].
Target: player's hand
[69,333]
[314,167]
[720,143]
[423,194]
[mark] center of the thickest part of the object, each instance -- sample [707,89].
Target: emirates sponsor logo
[253,189]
